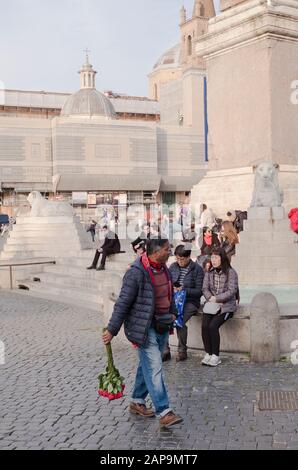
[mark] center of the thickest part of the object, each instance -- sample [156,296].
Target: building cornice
[249,22]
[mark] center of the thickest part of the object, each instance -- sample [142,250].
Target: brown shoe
[181,357]
[169,419]
[140,409]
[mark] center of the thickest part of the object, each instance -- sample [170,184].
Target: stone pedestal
[264,329]
[42,238]
[267,254]
[223,190]
[251,54]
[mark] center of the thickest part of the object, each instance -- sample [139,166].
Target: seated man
[110,247]
[186,275]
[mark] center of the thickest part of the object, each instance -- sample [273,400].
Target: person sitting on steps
[111,246]
[186,275]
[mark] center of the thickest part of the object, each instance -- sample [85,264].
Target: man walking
[111,246]
[146,308]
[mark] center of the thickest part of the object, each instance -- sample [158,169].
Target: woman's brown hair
[230,232]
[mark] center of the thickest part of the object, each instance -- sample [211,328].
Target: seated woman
[220,287]
[210,241]
[228,238]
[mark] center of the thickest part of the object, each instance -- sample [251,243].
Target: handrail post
[10,266]
[10,274]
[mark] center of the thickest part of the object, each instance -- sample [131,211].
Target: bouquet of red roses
[111,384]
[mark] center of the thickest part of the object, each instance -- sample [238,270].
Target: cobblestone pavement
[49,400]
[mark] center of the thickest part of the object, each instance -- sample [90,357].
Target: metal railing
[11,265]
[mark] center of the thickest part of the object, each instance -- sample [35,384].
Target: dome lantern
[88,101]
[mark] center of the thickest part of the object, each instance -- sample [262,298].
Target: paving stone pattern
[48,390]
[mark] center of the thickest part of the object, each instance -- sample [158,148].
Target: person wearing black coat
[92,229]
[146,308]
[189,276]
[111,246]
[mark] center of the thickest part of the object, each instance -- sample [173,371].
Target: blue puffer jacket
[136,305]
[193,281]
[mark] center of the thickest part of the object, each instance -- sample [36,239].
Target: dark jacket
[207,249]
[193,281]
[135,306]
[229,248]
[112,242]
[227,292]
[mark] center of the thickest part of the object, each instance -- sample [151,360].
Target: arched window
[202,10]
[155,92]
[189,45]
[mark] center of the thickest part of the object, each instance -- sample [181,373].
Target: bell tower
[192,29]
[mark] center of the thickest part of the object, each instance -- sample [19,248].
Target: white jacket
[207,218]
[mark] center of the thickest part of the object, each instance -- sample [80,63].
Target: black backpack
[240,217]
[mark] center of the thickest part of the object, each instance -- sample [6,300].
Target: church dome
[170,59]
[88,102]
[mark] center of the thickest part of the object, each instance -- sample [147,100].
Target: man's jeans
[149,379]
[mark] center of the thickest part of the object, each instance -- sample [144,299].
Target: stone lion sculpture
[41,207]
[266,190]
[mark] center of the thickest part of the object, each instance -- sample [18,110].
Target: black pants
[210,331]
[105,252]
[189,310]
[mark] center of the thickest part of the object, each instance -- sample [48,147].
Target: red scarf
[208,240]
[148,265]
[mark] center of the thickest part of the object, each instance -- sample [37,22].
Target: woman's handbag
[211,308]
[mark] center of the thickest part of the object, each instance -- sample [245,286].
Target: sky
[42,42]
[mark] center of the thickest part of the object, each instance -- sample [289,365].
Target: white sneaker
[206,360]
[214,361]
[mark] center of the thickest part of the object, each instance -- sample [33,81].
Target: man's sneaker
[166,356]
[206,360]
[91,267]
[214,361]
[101,268]
[140,409]
[169,419]
[181,357]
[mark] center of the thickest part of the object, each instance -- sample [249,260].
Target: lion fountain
[41,207]
[267,192]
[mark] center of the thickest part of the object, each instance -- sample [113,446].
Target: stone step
[19,256]
[114,264]
[83,283]
[42,245]
[263,276]
[64,292]
[254,225]
[65,299]
[43,235]
[265,262]
[19,229]
[121,257]
[269,249]
[267,237]
[56,220]
[77,271]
